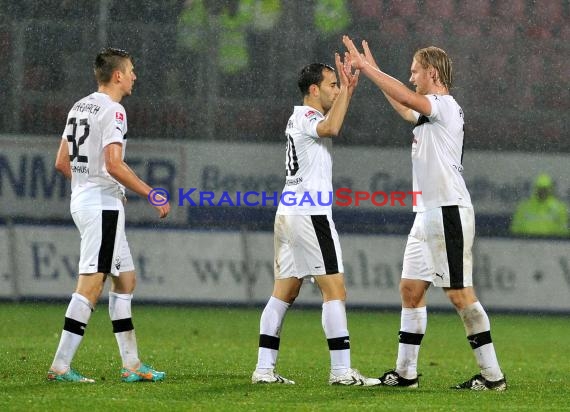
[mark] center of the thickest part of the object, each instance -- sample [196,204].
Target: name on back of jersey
[92,108]
[80,169]
[293,181]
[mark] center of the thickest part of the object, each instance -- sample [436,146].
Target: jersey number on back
[292,163]
[77,142]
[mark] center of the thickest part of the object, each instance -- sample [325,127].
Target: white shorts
[439,248]
[306,246]
[104,246]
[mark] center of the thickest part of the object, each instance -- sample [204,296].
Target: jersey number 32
[77,141]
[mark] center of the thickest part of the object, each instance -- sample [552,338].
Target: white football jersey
[437,152]
[94,122]
[308,162]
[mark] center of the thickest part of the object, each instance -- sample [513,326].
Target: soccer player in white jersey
[305,239]
[439,245]
[91,155]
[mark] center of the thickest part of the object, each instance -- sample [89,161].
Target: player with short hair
[439,245]
[305,239]
[91,154]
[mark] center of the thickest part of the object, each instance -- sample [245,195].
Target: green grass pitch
[209,354]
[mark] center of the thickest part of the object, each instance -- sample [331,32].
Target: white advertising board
[237,267]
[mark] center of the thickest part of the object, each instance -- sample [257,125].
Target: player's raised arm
[391,87]
[334,118]
[402,110]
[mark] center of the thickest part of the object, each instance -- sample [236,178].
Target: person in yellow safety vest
[542,214]
[233,21]
[331,17]
[265,14]
[193,26]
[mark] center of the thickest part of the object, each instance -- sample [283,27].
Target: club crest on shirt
[310,113]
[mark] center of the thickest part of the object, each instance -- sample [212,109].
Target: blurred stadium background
[216,84]
[511,60]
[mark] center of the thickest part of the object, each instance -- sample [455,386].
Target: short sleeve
[309,121]
[114,125]
[435,102]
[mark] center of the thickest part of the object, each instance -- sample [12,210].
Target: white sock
[269,334]
[76,319]
[478,330]
[120,314]
[413,323]
[336,332]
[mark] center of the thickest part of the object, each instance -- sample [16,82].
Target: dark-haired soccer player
[306,241]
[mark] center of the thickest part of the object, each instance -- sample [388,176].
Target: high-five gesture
[402,99]
[347,77]
[358,60]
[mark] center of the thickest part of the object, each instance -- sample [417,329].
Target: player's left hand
[347,67]
[358,61]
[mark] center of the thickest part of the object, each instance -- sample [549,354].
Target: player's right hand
[368,55]
[163,210]
[358,60]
